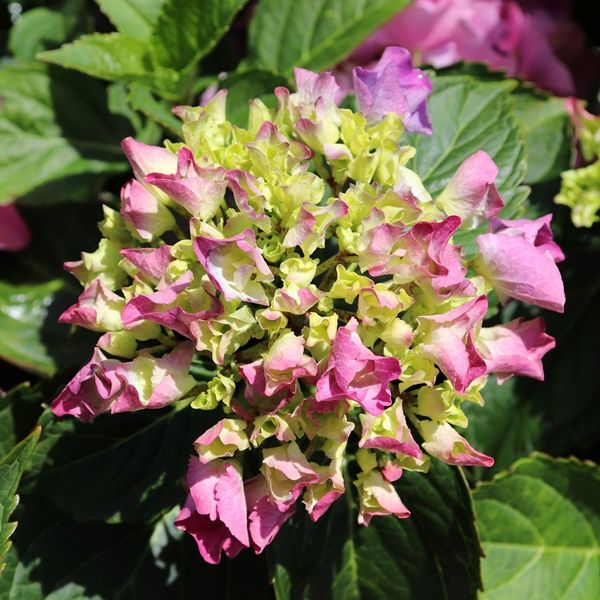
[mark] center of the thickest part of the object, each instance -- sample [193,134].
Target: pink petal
[394,86]
[471,193]
[516,348]
[151,263]
[443,442]
[161,307]
[265,516]
[520,270]
[146,159]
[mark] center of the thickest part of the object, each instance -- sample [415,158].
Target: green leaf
[54,125]
[137,461]
[467,115]
[186,31]
[336,559]
[540,528]
[470,114]
[112,56]
[11,469]
[314,34]
[547,130]
[134,17]
[142,99]
[35,31]
[146,130]
[23,311]
[543,120]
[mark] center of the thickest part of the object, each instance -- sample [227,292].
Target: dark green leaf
[54,125]
[540,528]
[543,120]
[112,56]
[186,31]
[311,560]
[336,559]
[121,467]
[146,130]
[439,539]
[314,34]
[57,558]
[507,427]
[568,398]
[12,466]
[134,17]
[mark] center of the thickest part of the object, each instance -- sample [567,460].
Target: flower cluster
[305,266]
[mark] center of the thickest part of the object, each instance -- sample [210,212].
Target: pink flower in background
[14,233]
[532,40]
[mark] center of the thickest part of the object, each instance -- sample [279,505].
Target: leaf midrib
[544,548]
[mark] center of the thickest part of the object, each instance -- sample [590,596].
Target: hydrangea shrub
[303,265]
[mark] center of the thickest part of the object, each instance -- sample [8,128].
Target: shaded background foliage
[96,510]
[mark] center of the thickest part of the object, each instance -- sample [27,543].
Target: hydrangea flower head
[296,277]
[537,40]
